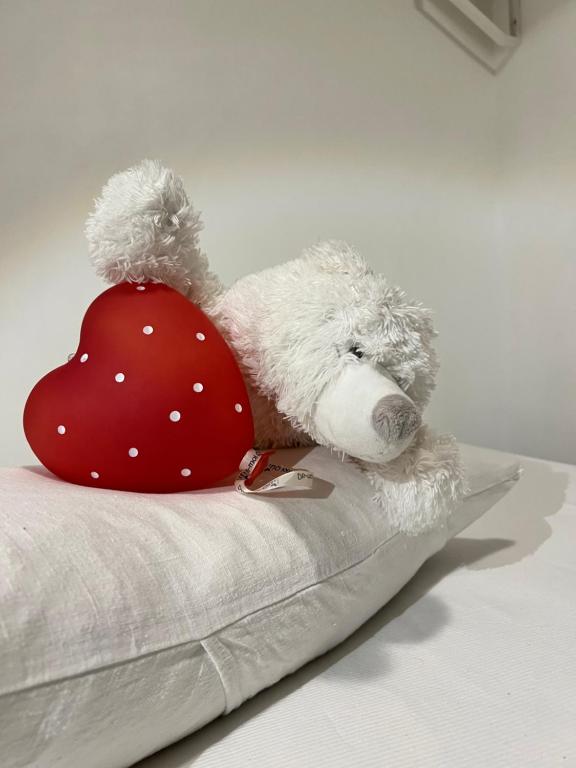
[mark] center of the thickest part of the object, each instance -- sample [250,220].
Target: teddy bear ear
[336,256]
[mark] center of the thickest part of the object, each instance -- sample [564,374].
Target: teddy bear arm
[421,488]
[144,229]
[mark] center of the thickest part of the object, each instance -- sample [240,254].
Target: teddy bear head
[344,356]
[336,351]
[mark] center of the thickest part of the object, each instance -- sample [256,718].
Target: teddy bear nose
[395,418]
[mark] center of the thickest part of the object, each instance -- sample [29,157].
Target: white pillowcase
[129,620]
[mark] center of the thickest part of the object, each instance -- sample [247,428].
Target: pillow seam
[199,640]
[165,649]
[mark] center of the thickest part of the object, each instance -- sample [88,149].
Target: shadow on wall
[533,13]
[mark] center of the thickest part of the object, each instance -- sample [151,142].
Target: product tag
[256,463]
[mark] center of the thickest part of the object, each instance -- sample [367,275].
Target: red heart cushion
[153,400]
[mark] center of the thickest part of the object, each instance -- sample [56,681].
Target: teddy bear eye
[356,351]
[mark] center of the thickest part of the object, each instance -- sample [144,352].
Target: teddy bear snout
[395,418]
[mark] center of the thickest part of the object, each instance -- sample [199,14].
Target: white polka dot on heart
[200,336]
[61,429]
[147,330]
[175,415]
[238,408]
[84,358]
[119,378]
[94,475]
[133,452]
[185,472]
[140,287]
[198,387]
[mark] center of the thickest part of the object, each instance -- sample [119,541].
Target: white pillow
[129,620]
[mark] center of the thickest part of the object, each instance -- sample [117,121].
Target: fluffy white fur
[295,329]
[426,479]
[144,228]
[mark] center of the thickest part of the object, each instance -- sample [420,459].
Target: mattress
[473,664]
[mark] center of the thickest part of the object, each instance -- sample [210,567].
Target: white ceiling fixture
[489,30]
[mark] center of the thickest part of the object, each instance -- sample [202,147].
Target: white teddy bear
[330,352]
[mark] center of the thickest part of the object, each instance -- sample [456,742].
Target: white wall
[537,237]
[290,122]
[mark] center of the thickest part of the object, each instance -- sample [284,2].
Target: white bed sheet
[472,665]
